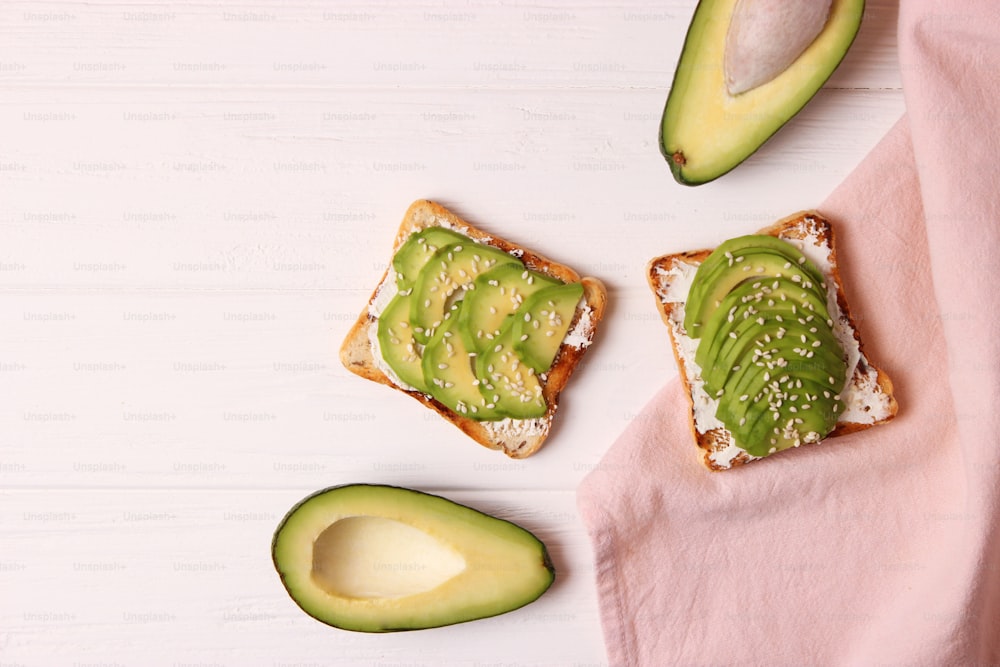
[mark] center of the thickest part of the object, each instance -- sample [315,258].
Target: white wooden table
[196,200]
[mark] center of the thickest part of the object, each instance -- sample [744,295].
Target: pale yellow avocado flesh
[377,558]
[706,131]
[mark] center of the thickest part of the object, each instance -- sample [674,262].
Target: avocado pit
[766,36]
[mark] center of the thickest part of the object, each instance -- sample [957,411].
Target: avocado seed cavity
[371,557]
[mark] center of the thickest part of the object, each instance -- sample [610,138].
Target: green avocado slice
[543,322]
[452,268]
[418,249]
[497,293]
[758,380]
[706,131]
[801,417]
[448,370]
[508,384]
[789,337]
[749,375]
[748,266]
[376,558]
[727,256]
[397,345]
[775,299]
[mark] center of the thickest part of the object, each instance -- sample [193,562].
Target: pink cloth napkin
[878,548]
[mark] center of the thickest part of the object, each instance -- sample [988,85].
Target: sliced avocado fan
[473,327]
[767,350]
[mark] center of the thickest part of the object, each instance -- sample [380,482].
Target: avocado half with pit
[374,558]
[747,67]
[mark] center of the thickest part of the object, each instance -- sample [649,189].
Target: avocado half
[707,130]
[375,558]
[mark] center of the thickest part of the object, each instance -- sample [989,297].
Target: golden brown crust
[794,227]
[515,441]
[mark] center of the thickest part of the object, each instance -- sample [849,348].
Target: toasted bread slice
[517,438]
[868,395]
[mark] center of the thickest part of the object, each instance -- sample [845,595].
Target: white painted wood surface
[196,200]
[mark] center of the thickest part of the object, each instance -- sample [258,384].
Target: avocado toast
[765,344]
[482,331]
